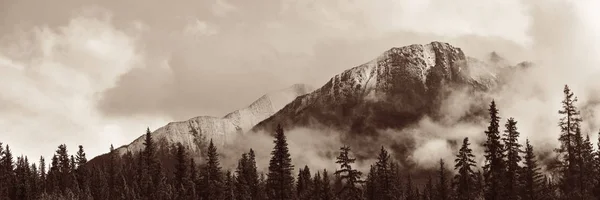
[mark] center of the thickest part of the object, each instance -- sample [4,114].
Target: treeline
[510,171]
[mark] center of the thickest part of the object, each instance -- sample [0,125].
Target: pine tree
[213,178]
[350,177]
[428,192]
[262,188]
[410,195]
[597,168]
[112,173]
[384,177]
[183,183]
[396,189]
[494,169]
[371,187]
[64,169]
[181,165]
[8,178]
[317,187]
[152,177]
[513,158]
[229,186]
[586,167]
[530,178]
[252,175]
[569,124]
[242,188]
[82,171]
[280,182]
[464,181]
[194,180]
[304,186]
[327,191]
[53,176]
[42,175]
[443,193]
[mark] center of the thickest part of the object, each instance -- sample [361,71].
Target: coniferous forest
[510,171]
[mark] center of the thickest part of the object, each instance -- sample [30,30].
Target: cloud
[51,78]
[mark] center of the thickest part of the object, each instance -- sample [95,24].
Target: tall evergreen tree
[42,175]
[569,123]
[410,190]
[317,186]
[428,192]
[597,168]
[7,177]
[152,177]
[530,178]
[213,177]
[464,181]
[350,177]
[586,167]
[371,187]
[112,173]
[229,193]
[82,171]
[443,192]
[64,168]
[513,158]
[384,176]
[280,182]
[304,186]
[327,191]
[494,168]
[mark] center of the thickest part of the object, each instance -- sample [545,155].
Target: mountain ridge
[192,132]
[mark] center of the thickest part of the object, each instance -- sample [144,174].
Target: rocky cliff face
[193,133]
[391,91]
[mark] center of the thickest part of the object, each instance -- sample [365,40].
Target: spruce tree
[280,182]
[213,178]
[443,192]
[327,191]
[569,123]
[42,175]
[350,177]
[242,188]
[304,186]
[464,181]
[428,192]
[317,187]
[371,187]
[252,177]
[82,171]
[384,176]
[531,179]
[229,193]
[586,168]
[494,168]
[410,190]
[513,158]
[112,173]
[7,177]
[181,168]
[596,173]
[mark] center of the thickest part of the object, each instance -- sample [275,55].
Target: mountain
[194,132]
[392,91]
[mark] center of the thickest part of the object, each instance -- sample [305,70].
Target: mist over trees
[510,171]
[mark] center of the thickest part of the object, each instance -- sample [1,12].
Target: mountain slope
[194,132]
[391,91]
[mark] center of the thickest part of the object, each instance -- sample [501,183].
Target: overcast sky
[96,72]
